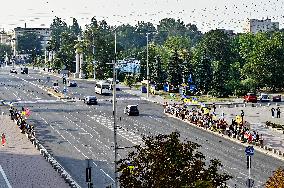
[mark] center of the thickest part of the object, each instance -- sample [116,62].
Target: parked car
[13,71]
[131,110]
[264,97]
[250,97]
[276,98]
[72,84]
[91,100]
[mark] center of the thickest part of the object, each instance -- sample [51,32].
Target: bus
[102,88]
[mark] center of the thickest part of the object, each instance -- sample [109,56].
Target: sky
[206,14]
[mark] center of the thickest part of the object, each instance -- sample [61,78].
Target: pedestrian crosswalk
[127,134]
[34,101]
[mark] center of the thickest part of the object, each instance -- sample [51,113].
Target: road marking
[5,177]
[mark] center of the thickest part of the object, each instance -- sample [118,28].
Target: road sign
[64,90]
[249,150]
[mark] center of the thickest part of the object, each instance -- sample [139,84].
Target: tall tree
[5,49]
[216,52]
[165,161]
[57,27]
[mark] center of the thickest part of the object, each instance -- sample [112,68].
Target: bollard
[268,104]
[2,113]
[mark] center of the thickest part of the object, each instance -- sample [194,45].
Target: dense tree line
[220,64]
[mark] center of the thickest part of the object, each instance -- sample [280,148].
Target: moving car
[24,70]
[13,71]
[72,84]
[250,97]
[276,98]
[91,100]
[264,97]
[131,110]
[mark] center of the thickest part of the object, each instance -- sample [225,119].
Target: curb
[49,158]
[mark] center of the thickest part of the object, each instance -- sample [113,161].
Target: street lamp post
[94,62]
[114,114]
[147,65]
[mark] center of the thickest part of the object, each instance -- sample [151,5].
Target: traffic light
[64,80]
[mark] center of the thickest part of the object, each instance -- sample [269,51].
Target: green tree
[165,161]
[57,28]
[216,53]
[100,37]
[130,80]
[5,49]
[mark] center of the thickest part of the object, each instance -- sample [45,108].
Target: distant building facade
[228,32]
[255,25]
[5,38]
[43,33]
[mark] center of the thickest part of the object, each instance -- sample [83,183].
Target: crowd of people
[207,119]
[20,116]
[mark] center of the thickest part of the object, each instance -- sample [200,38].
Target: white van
[102,88]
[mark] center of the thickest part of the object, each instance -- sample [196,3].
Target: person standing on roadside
[214,107]
[272,112]
[3,139]
[242,115]
[278,112]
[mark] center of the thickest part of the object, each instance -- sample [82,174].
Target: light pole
[94,62]
[14,52]
[114,113]
[147,65]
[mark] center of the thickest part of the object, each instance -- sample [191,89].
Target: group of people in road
[19,117]
[203,117]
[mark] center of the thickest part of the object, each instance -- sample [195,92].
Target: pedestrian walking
[272,112]
[278,112]
[3,139]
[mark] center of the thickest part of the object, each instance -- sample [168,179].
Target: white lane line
[6,179]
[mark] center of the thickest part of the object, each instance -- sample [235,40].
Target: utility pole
[147,65]
[94,62]
[114,113]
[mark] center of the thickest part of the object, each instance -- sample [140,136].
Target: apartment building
[43,33]
[255,25]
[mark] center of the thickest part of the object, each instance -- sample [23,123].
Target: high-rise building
[255,25]
[43,33]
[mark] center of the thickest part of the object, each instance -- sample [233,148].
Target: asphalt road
[73,131]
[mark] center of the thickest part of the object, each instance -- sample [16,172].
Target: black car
[89,100]
[131,110]
[72,84]
[24,70]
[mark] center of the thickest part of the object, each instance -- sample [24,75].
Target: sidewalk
[22,164]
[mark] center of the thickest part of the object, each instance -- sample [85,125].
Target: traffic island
[58,95]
